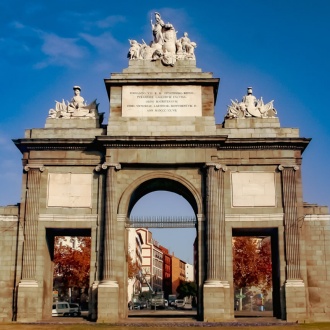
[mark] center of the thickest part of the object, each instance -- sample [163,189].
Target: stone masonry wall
[10,246]
[318,265]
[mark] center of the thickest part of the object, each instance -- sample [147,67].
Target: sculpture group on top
[75,108]
[165,45]
[251,107]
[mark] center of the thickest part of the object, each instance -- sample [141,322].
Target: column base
[296,301]
[27,302]
[217,303]
[108,302]
[93,302]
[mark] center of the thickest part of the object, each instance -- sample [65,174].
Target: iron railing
[161,222]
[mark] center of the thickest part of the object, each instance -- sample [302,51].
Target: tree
[132,267]
[186,289]
[252,263]
[72,265]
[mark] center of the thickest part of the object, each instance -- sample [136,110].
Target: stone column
[108,290]
[295,293]
[100,239]
[292,250]
[28,284]
[216,288]
[200,262]
[215,232]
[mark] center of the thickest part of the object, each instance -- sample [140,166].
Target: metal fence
[161,222]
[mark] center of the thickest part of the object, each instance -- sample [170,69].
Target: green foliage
[186,289]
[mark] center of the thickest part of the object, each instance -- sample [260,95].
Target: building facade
[135,242]
[152,262]
[178,272]
[167,271]
[189,272]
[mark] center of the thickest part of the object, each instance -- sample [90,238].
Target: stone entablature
[315,209]
[10,210]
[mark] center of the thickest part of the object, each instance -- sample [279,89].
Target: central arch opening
[163,282]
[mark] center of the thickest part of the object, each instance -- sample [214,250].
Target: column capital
[104,166]
[216,166]
[27,167]
[282,167]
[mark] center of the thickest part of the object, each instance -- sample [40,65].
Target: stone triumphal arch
[241,176]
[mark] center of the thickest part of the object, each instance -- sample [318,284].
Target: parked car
[136,305]
[143,304]
[179,303]
[75,310]
[187,306]
[61,308]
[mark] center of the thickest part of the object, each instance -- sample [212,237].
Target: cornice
[219,142]
[266,144]
[54,144]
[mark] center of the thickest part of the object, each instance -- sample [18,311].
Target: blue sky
[280,48]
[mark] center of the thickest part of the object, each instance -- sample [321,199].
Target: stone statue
[157,29]
[135,50]
[165,46]
[77,102]
[77,107]
[251,107]
[188,47]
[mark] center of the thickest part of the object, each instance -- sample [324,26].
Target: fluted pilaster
[31,221]
[292,250]
[110,222]
[216,253]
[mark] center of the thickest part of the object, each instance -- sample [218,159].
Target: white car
[179,303]
[61,308]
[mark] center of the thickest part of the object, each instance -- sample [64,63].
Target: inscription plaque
[157,101]
[253,189]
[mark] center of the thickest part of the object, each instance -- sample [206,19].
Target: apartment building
[178,272]
[152,261]
[167,271]
[135,243]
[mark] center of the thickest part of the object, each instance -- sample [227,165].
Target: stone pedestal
[108,302]
[217,302]
[29,309]
[295,296]
[92,315]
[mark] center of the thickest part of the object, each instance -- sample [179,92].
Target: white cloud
[60,51]
[110,21]
[103,42]
[17,25]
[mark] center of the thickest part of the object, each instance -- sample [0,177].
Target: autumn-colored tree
[132,267]
[72,264]
[252,263]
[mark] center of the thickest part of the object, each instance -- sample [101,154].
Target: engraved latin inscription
[156,101]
